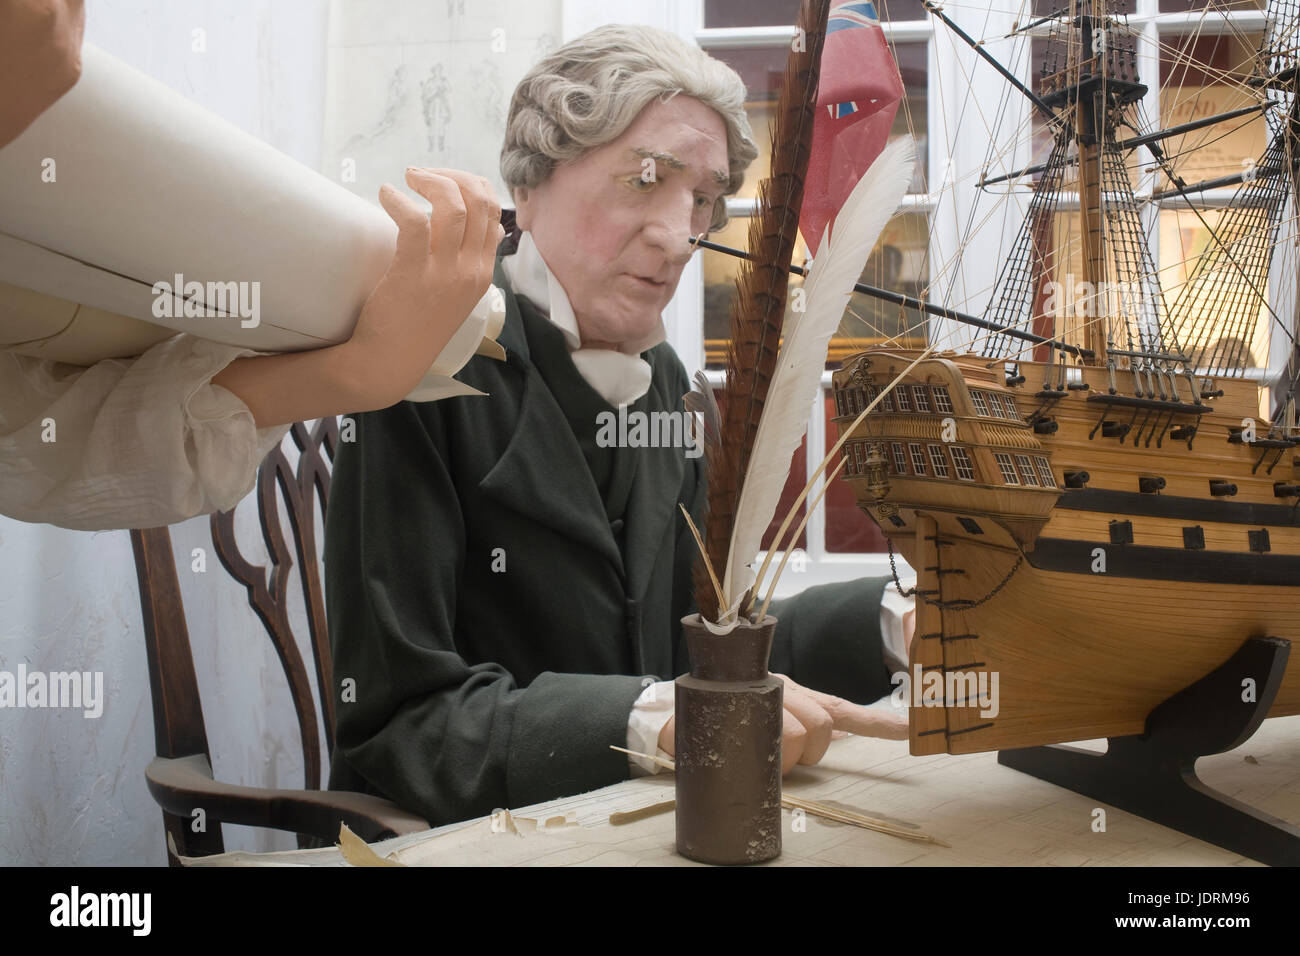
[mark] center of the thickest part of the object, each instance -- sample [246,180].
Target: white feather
[797,382]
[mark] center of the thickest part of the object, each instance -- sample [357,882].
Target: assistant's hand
[40,58]
[441,268]
[809,719]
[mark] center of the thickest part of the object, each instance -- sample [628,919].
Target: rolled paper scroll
[129,213]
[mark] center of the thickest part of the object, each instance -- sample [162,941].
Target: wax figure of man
[181,429]
[501,589]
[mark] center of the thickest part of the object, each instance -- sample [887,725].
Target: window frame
[965,460]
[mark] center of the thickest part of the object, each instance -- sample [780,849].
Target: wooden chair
[180,777]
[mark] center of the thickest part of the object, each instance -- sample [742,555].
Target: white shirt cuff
[649,714]
[892,608]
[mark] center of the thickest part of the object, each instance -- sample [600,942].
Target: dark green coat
[476,688]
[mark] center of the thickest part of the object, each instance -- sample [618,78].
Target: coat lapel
[652,503]
[542,473]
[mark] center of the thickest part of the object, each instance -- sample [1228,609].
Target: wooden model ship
[1097,512]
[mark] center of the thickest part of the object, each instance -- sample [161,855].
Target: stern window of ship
[939,460]
[942,400]
[888,400]
[904,403]
[841,406]
[1045,472]
[995,405]
[918,459]
[900,460]
[977,399]
[1009,405]
[965,470]
[922,397]
[1008,469]
[1027,470]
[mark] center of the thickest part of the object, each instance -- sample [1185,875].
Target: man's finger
[855,718]
[871,722]
[793,735]
[814,719]
[412,227]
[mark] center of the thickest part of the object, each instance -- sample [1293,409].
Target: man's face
[613,224]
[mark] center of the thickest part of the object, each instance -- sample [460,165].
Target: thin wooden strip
[858,819]
[622,817]
[790,803]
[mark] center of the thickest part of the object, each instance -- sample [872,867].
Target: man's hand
[441,268]
[40,58]
[808,722]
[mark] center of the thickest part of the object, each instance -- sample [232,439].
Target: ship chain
[961,604]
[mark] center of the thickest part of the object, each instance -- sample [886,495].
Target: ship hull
[1068,653]
[1070,610]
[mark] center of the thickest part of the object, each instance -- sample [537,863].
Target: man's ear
[525,203]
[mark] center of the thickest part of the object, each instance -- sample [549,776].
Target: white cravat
[622,376]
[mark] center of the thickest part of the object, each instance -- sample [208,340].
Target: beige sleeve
[126,443]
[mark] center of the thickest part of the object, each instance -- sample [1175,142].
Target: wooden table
[990,815]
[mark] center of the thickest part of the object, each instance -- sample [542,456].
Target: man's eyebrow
[720,176]
[668,159]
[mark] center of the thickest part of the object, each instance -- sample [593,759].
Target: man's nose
[670,227]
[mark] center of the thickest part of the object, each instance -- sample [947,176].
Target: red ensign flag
[857,98]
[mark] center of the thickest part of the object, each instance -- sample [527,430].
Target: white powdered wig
[589,91]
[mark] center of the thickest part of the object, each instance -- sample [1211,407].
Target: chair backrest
[179,729]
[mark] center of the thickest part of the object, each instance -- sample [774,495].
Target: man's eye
[641,184]
[703,202]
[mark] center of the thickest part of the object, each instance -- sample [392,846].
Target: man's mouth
[650,283]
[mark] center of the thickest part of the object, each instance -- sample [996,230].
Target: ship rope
[960,604]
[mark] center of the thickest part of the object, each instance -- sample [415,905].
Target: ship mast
[1097,81]
[1089,135]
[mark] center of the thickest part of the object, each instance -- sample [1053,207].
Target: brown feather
[758,308]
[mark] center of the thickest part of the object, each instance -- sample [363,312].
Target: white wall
[426,83]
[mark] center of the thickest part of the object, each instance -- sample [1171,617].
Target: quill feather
[797,380]
[759,304]
[701,399]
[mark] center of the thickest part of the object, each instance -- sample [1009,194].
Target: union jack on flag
[858,95]
[851,15]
